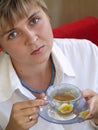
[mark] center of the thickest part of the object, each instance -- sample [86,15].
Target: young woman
[32,60]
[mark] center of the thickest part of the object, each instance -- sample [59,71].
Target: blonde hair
[12,10]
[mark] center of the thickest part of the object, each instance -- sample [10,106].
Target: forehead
[7,24]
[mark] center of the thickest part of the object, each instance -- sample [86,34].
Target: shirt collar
[8,80]
[61,60]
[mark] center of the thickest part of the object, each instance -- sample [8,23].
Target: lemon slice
[84,113]
[65,108]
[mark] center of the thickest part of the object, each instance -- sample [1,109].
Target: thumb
[42,96]
[87,94]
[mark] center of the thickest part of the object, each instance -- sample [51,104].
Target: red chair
[85,28]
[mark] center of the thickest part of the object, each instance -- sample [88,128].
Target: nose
[30,37]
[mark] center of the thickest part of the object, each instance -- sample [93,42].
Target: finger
[93,103]
[42,96]
[89,116]
[87,94]
[94,106]
[31,120]
[30,111]
[22,117]
[26,122]
[28,104]
[33,117]
[29,124]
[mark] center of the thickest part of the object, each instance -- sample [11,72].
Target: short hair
[12,10]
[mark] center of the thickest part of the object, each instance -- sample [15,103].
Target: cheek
[46,28]
[49,30]
[4,45]
[48,34]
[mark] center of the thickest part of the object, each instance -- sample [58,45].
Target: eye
[12,35]
[34,20]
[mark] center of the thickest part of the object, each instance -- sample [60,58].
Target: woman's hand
[92,99]
[25,114]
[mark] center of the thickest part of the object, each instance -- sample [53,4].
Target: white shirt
[76,62]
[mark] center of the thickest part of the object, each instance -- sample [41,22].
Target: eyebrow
[7,32]
[30,17]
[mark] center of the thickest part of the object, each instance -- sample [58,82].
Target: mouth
[38,51]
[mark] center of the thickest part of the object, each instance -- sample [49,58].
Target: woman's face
[30,40]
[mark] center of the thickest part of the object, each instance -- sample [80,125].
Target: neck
[38,77]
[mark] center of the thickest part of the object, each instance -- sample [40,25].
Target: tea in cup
[63,100]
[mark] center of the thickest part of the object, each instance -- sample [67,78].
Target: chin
[43,59]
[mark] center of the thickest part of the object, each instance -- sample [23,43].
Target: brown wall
[64,11]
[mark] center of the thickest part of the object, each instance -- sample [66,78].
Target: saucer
[77,116]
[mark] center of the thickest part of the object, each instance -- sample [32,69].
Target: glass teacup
[65,102]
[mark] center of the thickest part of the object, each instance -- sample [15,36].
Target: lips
[37,51]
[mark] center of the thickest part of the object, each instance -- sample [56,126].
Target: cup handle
[50,102]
